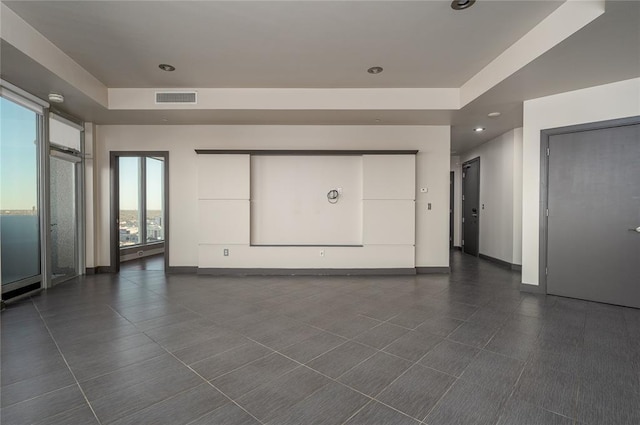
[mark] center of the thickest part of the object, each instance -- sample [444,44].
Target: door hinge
[546,271]
[548,151]
[463,197]
[463,242]
[463,219]
[547,212]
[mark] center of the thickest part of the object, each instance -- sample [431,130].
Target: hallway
[464,348]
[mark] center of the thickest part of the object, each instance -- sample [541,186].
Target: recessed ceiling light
[462,4]
[56,98]
[167,67]
[375,70]
[479,129]
[494,114]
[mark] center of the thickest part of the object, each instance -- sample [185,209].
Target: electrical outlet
[322,252]
[225,252]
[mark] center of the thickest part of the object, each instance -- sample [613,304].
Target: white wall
[456,167]
[433,143]
[517,197]
[600,103]
[500,171]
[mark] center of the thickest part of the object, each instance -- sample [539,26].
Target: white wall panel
[223,222]
[389,176]
[223,176]
[289,203]
[389,222]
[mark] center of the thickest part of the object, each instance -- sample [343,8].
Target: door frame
[114,228]
[452,180]
[75,159]
[477,158]
[545,135]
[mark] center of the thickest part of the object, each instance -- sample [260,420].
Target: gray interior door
[471,206]
[593,239]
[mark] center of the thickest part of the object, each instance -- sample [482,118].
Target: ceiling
[311,44]
[320,45]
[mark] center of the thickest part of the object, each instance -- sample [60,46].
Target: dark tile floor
[465,348]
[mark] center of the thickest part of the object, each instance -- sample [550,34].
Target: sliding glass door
[19,196]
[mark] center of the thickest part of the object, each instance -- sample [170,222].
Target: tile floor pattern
[465,348]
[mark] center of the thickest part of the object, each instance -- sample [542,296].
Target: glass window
[19,213]
[130,197]
[141,200]
[154,201]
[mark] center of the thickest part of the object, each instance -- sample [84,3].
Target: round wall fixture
[462,4]
[167,67]
[375,70]
[479,129]
[56,98]
[493,114]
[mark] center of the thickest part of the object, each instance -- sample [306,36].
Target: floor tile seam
[424,420]
[37,396]
[134,411]
[357,411]
[504,402]
[215,355]
[348,386]
[110,355]
[250,363]
[142,362]
[204,381]
[70,370]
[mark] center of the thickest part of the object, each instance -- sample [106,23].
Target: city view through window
[141,200]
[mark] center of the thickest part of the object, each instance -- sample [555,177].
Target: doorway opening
[471,207]
[139,210]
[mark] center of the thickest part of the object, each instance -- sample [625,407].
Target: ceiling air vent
[176,97]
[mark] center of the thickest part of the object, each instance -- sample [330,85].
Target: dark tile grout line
[68,367]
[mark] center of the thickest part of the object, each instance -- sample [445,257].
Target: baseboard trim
[182,270]
[457,248]
[104,269]
[533,289]
[305,272]
[90,271]
[433,270]
[506,264]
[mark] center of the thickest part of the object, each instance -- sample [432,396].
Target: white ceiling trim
[27,39]
[569,18]
[294,99]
